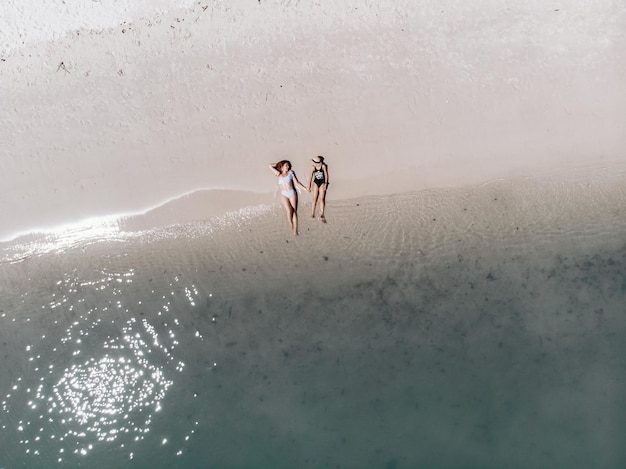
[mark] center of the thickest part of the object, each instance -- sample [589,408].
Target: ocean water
[474,327]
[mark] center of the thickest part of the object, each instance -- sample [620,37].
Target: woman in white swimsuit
[319,176]
[286,180]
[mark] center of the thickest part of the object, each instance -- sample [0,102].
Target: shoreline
[207,204]
[204,211]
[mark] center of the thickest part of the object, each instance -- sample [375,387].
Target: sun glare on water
[101,381]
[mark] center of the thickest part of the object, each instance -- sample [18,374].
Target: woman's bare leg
[293,203]
[316,193]
[322,200]
[289,209]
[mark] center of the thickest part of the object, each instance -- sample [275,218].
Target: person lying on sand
[286,179]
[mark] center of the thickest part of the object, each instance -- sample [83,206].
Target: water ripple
[103,378]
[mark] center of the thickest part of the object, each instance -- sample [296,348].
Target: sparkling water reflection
[103,379]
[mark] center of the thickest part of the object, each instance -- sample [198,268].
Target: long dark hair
[279,165]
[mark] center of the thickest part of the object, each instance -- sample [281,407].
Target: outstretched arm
[310,179]
[295,178]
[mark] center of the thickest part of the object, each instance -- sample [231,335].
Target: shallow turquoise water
[390,338]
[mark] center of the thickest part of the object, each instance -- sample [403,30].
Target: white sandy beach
[117,107]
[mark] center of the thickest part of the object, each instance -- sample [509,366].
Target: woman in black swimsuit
[319,176]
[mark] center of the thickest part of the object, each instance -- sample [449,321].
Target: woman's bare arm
[273,168]
[310,178]
[295,178]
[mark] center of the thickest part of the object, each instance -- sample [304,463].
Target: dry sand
[116,109]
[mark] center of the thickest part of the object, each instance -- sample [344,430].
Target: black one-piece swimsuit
[318,177]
